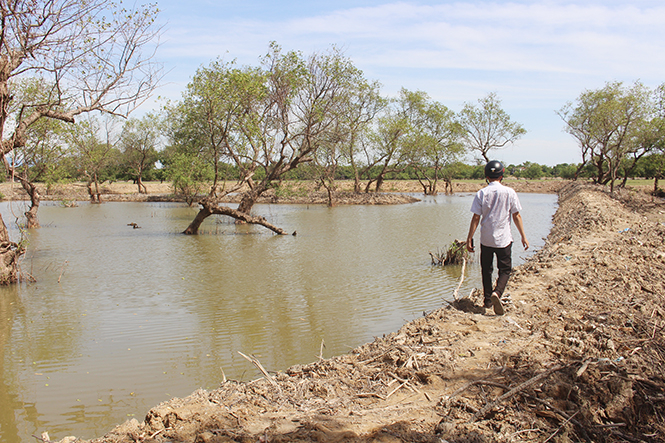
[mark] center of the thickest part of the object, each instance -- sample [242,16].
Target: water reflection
[122,319]
[9,304]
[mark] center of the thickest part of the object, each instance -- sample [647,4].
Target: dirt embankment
[295,192]
[578,356]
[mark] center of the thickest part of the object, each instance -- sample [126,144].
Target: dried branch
[515,390]
[461,279]
[260,367]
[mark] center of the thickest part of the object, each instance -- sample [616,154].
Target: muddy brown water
[121,319]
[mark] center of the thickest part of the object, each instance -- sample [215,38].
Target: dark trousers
[504,262]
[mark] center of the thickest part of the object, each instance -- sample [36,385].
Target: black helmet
[494,169]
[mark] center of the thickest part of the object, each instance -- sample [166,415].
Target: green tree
[366,104]
[189,174]
[360,104]
[487,126]
[610,125]
[387,148]
[270,120]
[434,143]
[92,155]
[532,171]
[655,138]
[40,157]
[139,142]
[564,170]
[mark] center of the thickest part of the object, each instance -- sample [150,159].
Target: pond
[121,319]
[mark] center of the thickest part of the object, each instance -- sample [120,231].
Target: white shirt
[495,204]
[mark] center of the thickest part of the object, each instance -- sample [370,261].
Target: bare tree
[90,52]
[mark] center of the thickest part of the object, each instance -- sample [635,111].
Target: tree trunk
[139,182]
[356,177]
[31,215]
[95,195]
[379,182]
[449,186]
[249,199]
[210,207]
[329,190]
[9,255]
[194,226]
[655,184]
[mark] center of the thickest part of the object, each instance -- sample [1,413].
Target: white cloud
[531,53]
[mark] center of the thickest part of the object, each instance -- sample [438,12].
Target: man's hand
[525,243]
[475,221]
[517,218]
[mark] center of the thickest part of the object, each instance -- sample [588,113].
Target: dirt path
[578,356]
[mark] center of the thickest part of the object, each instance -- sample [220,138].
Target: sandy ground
[578,356]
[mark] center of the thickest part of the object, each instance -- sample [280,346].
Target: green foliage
[564,170]
[487,126]
[455,254]
[189,174]
[534,172]
[615,126]
[290,190]
[139,142]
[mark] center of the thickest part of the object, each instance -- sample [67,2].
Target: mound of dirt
[578,356]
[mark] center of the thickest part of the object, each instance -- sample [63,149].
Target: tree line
[248,128]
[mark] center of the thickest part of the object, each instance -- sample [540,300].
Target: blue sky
[535,56]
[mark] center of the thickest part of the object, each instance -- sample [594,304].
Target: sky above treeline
[536,56]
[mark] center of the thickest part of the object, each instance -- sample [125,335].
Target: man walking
[492,209]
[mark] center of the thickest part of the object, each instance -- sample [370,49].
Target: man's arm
[475,221]
[517,218]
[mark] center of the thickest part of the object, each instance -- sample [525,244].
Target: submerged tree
[265,121]
[39,158]
[89,52]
